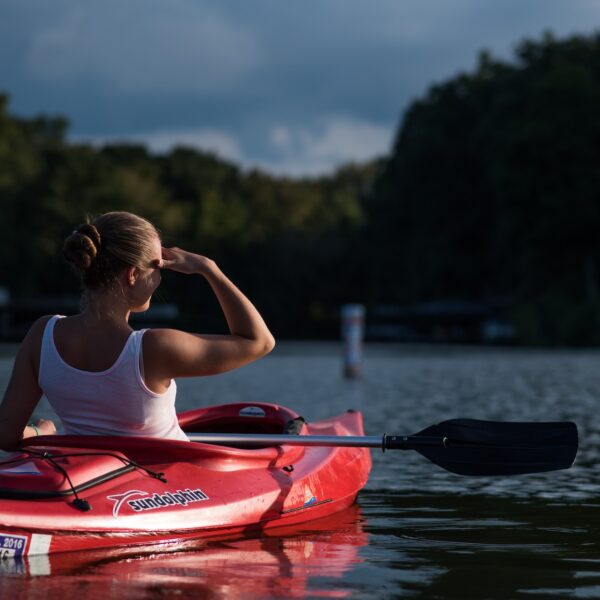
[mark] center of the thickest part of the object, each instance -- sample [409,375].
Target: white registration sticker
[12,546]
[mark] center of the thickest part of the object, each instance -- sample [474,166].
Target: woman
[100,376]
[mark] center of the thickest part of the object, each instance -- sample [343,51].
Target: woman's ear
[131,276]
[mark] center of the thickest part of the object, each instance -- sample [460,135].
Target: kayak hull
[68,493]
[276,563]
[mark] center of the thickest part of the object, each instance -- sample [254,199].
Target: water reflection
[294,563]
[474,546]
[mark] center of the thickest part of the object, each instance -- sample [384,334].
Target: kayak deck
[64,493]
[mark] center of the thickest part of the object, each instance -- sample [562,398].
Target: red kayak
[66,493]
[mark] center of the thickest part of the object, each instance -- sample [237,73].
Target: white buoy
[353,327]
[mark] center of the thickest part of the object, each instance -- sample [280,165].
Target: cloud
[144,46]
[330,143]
[219,142]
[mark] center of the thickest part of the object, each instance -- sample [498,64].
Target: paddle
[462,446]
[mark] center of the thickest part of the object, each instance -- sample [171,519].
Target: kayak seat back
[259,417]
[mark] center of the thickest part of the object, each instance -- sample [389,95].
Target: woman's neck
[107,308]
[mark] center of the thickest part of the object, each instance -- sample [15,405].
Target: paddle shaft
[384,442]
[254,439]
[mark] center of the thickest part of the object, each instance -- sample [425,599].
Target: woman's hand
[46,426]
[189,263]
[40,427]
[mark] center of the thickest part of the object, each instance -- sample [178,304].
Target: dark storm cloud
[293,86]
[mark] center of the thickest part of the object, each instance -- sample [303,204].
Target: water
[417,531]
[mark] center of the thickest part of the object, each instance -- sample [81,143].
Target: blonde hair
[103,246]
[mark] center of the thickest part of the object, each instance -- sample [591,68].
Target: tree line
[284,241]
[490,193]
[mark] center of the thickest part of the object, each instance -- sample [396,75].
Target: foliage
[284,241]
[492,192]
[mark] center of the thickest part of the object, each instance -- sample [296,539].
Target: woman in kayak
[100,376]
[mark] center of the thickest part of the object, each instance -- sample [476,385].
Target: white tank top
[111,402]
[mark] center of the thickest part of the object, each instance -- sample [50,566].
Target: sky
[293,87]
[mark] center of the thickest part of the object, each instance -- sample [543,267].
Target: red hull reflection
[279,564]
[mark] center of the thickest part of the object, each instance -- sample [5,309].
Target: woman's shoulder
[166,346]
[36,331]
[33,340]
[162,338]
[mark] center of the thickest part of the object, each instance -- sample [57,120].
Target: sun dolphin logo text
[152,502]
[180,497]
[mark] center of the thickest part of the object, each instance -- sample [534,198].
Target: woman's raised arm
[171,353]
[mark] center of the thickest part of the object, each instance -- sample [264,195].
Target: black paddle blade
[472,447]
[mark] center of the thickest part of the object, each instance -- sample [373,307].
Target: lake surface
[417,531]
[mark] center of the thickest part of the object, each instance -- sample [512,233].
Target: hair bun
[90,231]
[82,246]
